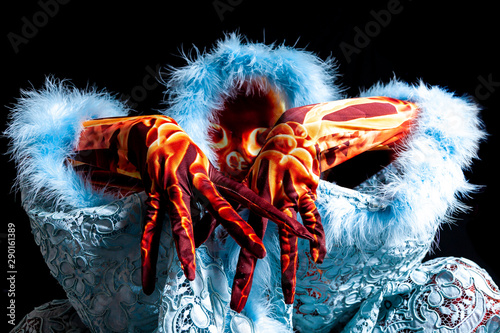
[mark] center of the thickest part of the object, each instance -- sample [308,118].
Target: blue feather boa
[390,219]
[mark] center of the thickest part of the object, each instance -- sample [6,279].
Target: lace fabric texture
[328,294]
[442,295]
[57,316]
[203,304]
[94,255]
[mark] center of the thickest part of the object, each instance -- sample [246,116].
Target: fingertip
[260,252]
[190,274]
[238,303]
[300,230]
[288,286]
[322,257]
[148,290]
[263,254]
[318,256]
[315,254]
[289,298]
[148,286]
[148,276]
[307,235]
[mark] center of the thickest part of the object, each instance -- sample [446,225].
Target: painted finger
[182,229]
[150,242]
[312,221]
[289,256]
[258,205]
[245,269]
[242,283]
[240,230]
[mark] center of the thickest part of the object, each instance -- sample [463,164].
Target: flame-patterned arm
[304,142]
[171,168]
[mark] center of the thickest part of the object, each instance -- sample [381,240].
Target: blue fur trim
[198,90]
[43,129]
[407,201]
[422,188]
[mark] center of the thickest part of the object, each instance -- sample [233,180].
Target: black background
[111,44]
